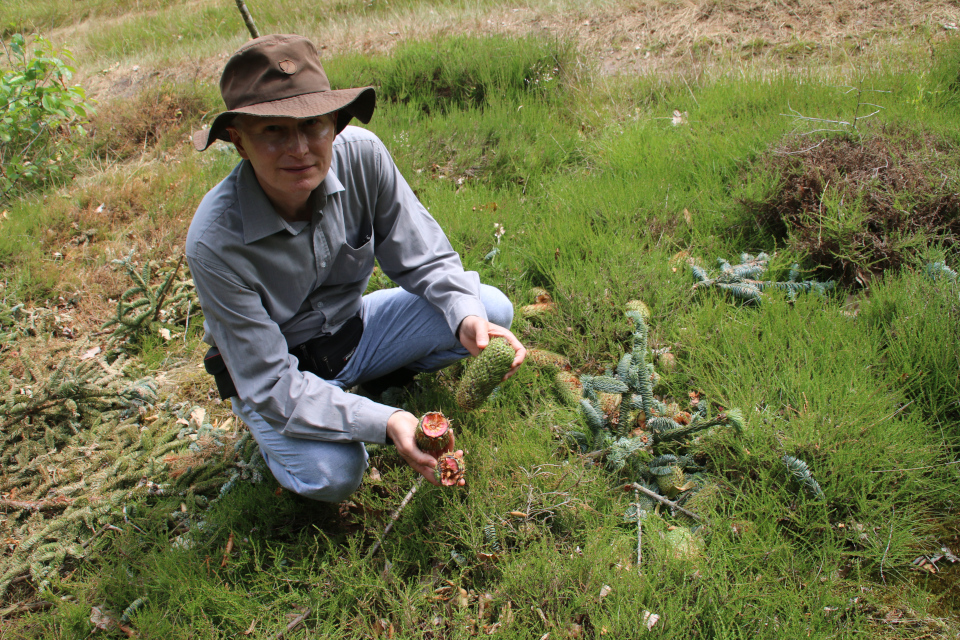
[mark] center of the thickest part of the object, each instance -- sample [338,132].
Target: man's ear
[237,141]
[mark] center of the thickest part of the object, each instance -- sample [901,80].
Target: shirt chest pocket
[355,257]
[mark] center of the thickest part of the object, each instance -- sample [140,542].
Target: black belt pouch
[215,366]
[324,357]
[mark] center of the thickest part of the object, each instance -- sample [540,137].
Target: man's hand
[475,333]
[400,428]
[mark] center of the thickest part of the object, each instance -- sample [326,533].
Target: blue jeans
[399,330]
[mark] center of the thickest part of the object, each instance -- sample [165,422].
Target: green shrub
[41,117]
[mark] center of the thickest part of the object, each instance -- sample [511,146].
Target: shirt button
[323,264]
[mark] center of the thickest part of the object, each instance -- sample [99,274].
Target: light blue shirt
[266,284]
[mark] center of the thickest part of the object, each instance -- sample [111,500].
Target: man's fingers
[422,464]
[521,351]
[480,333]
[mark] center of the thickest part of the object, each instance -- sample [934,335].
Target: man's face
[290,156]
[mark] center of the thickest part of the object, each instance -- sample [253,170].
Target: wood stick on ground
[296,622]
[226,552]
[662,500]
[248,19]
[396,515]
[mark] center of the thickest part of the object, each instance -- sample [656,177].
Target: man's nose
[297,143]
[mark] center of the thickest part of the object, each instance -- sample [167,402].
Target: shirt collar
[259,217]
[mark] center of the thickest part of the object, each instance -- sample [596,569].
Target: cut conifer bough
[484,372]
[450,469]
[433,434]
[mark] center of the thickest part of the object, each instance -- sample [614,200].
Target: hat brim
[349,103]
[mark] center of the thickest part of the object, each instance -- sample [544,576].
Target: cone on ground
[484,373]
[547,359]
[539,294]
[569,387]
[639,307]
[538,310]
[434,434]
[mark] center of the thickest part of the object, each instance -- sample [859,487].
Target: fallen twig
[296,622]
[662,500]
[59,502]
[226,552]
[396,515]
[105,527]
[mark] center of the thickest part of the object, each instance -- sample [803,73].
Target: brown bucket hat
[281,75]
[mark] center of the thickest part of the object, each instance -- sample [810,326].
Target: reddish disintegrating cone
[538,310]
[433,433]
[450,469]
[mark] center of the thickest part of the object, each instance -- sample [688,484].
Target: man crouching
[281,252]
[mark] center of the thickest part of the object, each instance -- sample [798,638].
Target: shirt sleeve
[414,251]
[296,403]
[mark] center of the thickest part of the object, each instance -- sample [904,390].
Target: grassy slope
[590,180]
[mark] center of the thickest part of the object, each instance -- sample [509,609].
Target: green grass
[591,182]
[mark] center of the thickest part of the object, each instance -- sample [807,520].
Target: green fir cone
[484,372]
[433,433]
[568,386]
[638,307]
[684,544]
[672,483]
[538,310]
[547,359]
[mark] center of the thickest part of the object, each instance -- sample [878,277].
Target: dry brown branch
[36,505]
[296,622]
[226,552]
[396,515]
[662,500]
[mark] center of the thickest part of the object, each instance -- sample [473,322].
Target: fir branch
[800,474]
